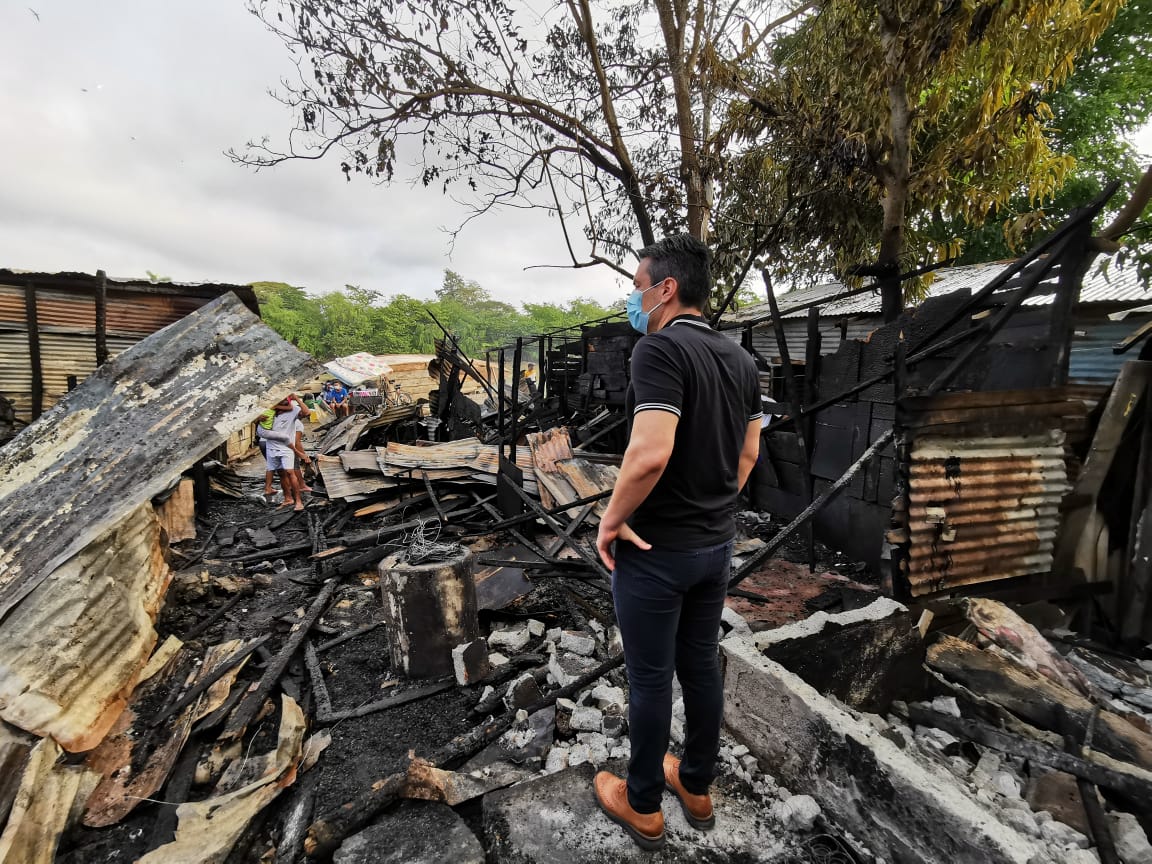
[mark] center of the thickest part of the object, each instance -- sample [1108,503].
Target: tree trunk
[582,15]
[895,173]
[680,72]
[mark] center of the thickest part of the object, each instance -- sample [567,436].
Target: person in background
[694,404]
[263,427]
[301,455]
[339,399]
[281,454]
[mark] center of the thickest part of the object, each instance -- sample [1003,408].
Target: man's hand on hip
[607,535]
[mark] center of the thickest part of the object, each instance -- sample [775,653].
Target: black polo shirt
[711,384]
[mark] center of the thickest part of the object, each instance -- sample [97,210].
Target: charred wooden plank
[252,700]
[1037,699]
[1095,767]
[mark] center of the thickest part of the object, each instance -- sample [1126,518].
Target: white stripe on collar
[703,324]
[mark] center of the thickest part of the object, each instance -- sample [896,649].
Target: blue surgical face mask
[637,317]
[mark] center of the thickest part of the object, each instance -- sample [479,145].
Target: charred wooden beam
[1038,700]
[802,440]
[558,529]
[101,292]
[211,678]
[414,694]
[352,634]
[32,321]
[554,511]
[253,699]
[1097,769]
[320,693]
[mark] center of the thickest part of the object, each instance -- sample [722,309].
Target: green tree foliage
[876,113]
[356,319]
[1095,115]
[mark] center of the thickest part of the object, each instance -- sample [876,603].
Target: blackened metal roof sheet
[128,432]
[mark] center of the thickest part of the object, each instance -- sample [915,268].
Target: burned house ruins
[936,646]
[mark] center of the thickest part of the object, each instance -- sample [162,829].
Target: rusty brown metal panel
[338,483]
[128,432]
[983,509]
[71,652]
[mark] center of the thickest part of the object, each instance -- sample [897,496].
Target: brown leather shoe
[697,808]
[647,829]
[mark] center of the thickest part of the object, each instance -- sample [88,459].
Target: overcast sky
[116,117]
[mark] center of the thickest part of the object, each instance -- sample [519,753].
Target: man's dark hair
[685,259]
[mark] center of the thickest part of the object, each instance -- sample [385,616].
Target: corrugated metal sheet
[796,335]
[61,355]
[1119,285]
[1091,359]
[339,483]
[71,652]
[983,509]
[78,473]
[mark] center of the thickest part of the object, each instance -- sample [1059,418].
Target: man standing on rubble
[667,534]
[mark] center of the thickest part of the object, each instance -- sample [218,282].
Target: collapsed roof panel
[104,451]
[72,652]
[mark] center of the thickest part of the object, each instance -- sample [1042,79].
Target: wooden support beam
[32,320]
[558,529]
[101,293]
[1034,698]
[796,408]
[1075,258]
[414,694]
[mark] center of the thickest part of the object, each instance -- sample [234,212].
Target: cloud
[118,115]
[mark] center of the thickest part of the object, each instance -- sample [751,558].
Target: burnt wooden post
[429,609]
[795,408]
[1075,259]
[1133,596]
[811,374]
[541,378]
[101,318]
[32,319]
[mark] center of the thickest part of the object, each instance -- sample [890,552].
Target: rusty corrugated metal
[75,477]
[66,321]
[338,483]
[982,509]
[61,355]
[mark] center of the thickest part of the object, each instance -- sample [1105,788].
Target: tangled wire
[422,544]
[822,849]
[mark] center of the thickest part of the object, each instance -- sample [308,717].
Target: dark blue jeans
[668,605]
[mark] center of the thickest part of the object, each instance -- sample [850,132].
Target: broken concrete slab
[555,820]
[512,638]
[470,662]
[866,658]
[861,779]
[566,668]
[576,642]
[416,833]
